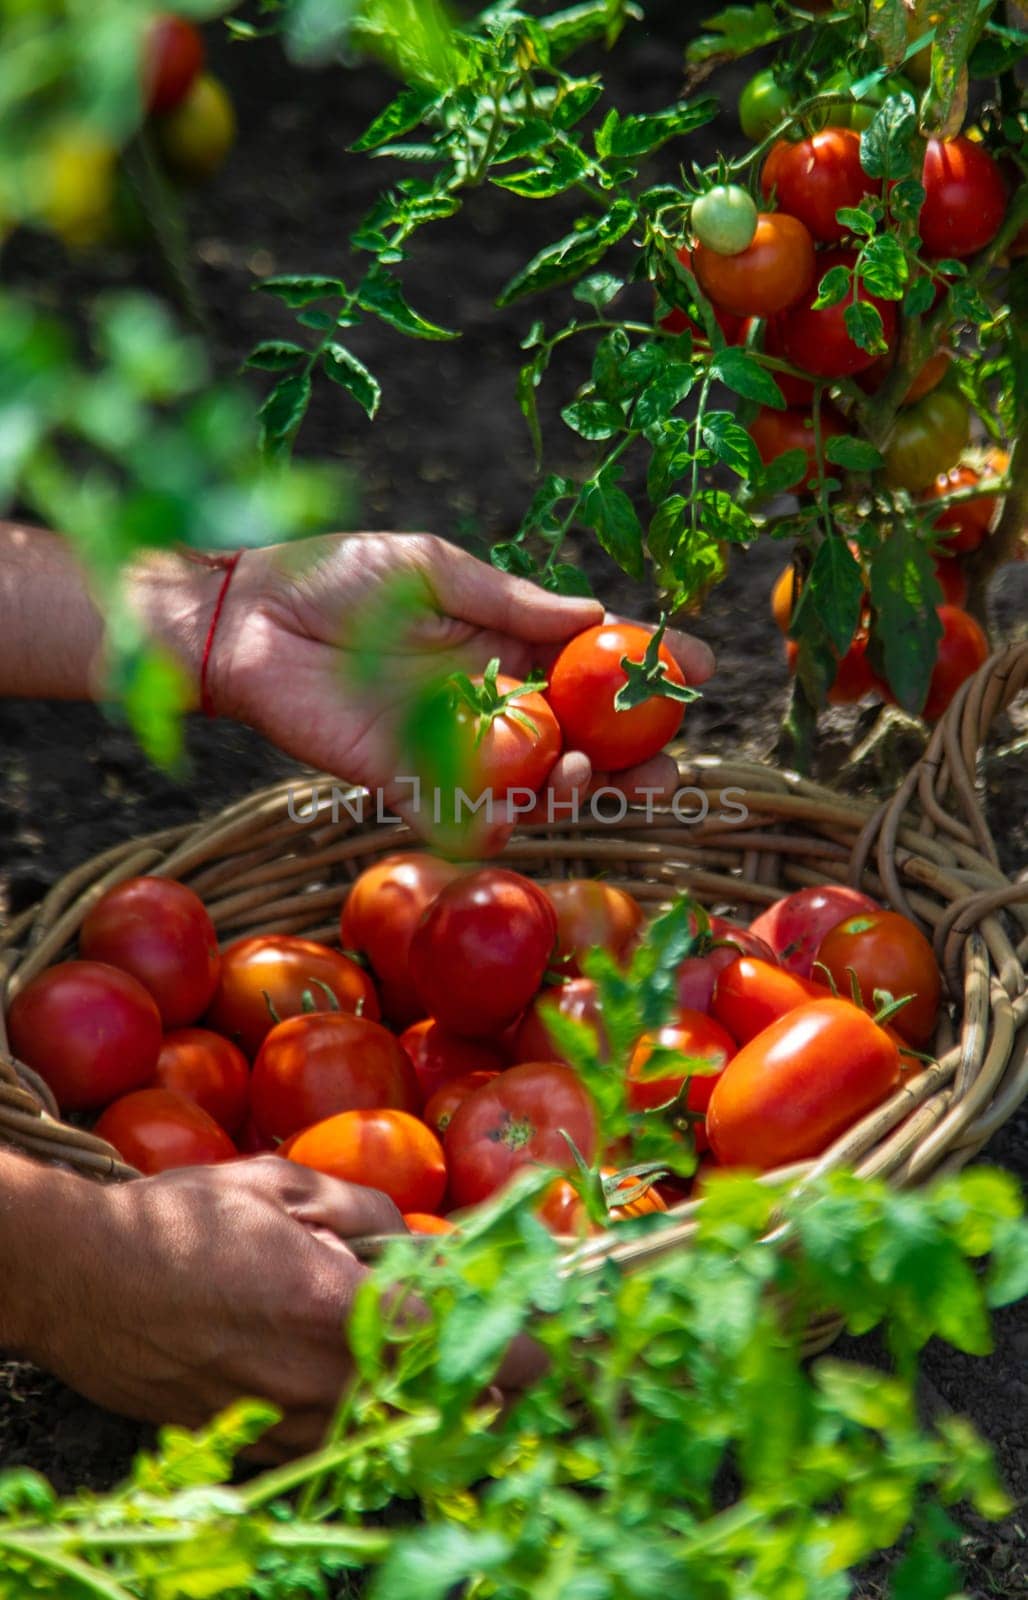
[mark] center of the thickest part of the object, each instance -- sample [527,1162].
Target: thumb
[466,588]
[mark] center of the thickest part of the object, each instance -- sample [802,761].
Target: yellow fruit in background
[195,138]
[77,178]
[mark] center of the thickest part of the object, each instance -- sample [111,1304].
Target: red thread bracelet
[230,563]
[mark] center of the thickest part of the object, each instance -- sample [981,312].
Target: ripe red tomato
[697,974]
[379,916]
[504,745]
[518,1120]
[385,1149]
[675,320]
[929,377]
[795,925]
[816,177]
[438,1056]
[885,951]
[577,999]
[695,1035]
[772,273]
[952,580]
[965,198]
[90,1030]
[156,1130]
[591,914]
[749,995]
[173,54]
[480,951]
[312,1067]
[438,1112]
[424,1222]
[209,1069]
[967,525]
[798,392]
[563,1210]
[799,1084]
[195,137]
[775,432]
[854,676]
[962,650]
[584,681]
[818,340]
[159,931]
[282,969]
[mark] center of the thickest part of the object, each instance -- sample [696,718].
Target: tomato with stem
[795,925]
[439,1109]
[884,951]
[530,1115]
[266,978]
[967,524]
[772,273]
[724,219]
[764,103]
[506,733]
[618,694]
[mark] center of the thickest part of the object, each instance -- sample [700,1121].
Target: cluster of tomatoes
[190,116]
[420,1061]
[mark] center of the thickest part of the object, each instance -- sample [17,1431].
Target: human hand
[287,648]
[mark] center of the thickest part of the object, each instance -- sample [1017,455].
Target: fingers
[468,589]
[344,1210]
[654,782]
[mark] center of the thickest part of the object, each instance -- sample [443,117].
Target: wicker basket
[927,852]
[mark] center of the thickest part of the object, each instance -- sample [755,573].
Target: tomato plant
[159,931]
[209,1069]
[266,978]
[157,1130]
[962,650]
[816,337]
[311,1067]
[526,1115]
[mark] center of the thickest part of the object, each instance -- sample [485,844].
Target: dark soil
[448,453]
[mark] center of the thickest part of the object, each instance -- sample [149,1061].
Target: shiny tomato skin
[160,932]
[156,1130]
[438,1112]
[783,597]
[886,951]
[749,995]
[591,914]
[173,55]
[90,1030]
[209,1069]
[379,915]
[965,198]
[795,925]
[480,951]
[516,1121]
[763,104]
[577,999]
[923,382]
[584,681]
[817,340]
[815,177]
[313,1067]
[694,1034]
[438,1056]
[799,1084]
[284,969]
[697,975]
[966,526]
[384,1149]
[502,754]
[563,1210]
[776,432]
[797,392]
[962,650]
[424,1222]
[771,274]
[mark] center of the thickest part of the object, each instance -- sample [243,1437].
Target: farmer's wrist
[44,1215]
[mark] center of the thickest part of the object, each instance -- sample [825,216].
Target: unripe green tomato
[858,114]
[927,439]
[725,219]
[762,105]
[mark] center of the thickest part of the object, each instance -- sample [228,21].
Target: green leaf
[906,630]
[528,381]
[343,367]
[663,393]
[919,297]
[563,578]
[572,255]
[864,326]
[856,220]
[576,100]
[606,508]
[282,412]
[833,287]
[740,371]
[531,135]
[380,293]
[398,118]
[275,355]
[883,266]
[784,472]
[887,144]
[736,31]
[629,137]
[557,172]
[594,419]
[599,290]
[855,455]
[299,290]
[509,556]
[832,595]
[730,442]
[944,106]
[435,1560]
[724,518]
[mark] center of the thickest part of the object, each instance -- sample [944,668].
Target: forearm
[52,632]
[38,1207]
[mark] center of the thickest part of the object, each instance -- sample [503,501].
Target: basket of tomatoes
[783,979]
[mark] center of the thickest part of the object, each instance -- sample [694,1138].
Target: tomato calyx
[512,1132]
[488,703]
[649,678]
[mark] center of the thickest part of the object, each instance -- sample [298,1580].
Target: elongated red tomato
[814,178]
[314,1066]
[379,915]
[591,914]
[159,931]
[885,951]
[749,995]
[386,1149]
[519,1119]
[282,970]
[799,1084]
[438,1056]
[772,273]
[818,339]
[965,197]
[584,682]
[157,1130]
[795,925]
